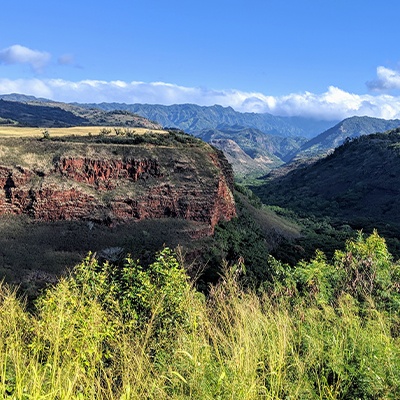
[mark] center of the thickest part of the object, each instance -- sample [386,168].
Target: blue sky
[323,58]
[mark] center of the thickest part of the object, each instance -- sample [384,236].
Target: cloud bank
[387,79]
[333,104]
[18,54]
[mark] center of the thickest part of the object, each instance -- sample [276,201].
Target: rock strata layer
[113,184]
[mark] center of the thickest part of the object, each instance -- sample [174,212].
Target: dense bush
[137,295]
[319,330]
[364,270]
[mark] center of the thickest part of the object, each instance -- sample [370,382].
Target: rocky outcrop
[127,184]
[102,173]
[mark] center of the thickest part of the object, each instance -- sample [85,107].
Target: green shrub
[118,131]
[364,270]
[46,134]
[139,295]
[367,270]
[104,131]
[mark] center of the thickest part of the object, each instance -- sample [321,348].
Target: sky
[326,59]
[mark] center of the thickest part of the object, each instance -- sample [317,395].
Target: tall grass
[234,344]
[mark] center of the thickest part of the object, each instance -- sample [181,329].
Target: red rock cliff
[194,184]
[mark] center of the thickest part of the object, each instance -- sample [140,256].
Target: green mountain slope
[358,185]
[349,128]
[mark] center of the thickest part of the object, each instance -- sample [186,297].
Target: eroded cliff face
[102,173]
[119,183]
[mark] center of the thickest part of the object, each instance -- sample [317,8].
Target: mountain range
[191,118]
[261,151]
[254,143]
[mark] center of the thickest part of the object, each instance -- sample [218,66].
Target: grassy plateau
[18,131]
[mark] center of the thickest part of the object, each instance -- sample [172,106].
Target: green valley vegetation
[252,236]
[355,187]
[323,329]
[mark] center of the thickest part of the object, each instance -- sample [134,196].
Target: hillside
[16,113]
[255,142]
[356,186]
[349,128]
[86,193]
[48,114]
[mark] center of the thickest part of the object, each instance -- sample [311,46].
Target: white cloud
[334,104]
[18,54]
[35,87]
[387,79]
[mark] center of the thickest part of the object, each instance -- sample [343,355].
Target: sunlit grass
[13,131]
[239,346]
[85,341]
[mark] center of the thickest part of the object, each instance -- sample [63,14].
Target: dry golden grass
[14,131]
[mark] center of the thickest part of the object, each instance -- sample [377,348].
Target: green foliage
[306,334]
[240,238]
[368,271]
[316,233]
[253,199]
[46,134]
[364,270]
[139,295]
[317,278]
